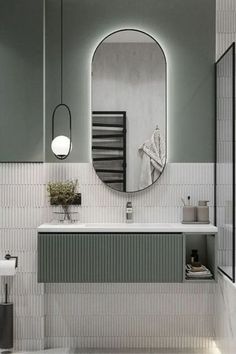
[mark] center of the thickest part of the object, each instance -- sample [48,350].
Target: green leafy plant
[62,193]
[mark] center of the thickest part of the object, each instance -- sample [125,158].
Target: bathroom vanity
[125,253]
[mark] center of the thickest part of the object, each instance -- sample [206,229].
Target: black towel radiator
[112,153]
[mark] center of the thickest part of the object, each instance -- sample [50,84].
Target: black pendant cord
[62,51]
[62,104]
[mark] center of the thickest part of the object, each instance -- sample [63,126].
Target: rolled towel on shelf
[202,273]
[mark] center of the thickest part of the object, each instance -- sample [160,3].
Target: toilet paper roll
[7,267]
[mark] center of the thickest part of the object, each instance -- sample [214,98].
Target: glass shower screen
[225,161]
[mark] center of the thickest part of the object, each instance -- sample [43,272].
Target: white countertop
[126,227]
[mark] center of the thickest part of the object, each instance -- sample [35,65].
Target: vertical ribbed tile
[111,315]
[21,207]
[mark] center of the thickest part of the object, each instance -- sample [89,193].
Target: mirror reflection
[129,110]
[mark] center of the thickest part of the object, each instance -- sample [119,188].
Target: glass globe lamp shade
[61,146]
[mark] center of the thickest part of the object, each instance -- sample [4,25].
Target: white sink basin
[122,225]
[128,227]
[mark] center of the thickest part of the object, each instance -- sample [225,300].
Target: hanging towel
[153,159]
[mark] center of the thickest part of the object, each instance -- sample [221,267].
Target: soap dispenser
[129,212]
[203,212]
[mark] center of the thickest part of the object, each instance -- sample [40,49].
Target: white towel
[153,159]
[205,273]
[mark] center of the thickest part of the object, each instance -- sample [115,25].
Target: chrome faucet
[129,212]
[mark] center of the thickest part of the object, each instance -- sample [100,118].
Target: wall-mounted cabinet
[125,257]
[116,258]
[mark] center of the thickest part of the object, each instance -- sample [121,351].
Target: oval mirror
[129,110]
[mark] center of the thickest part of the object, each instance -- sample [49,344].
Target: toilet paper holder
[6,313]
[8,257]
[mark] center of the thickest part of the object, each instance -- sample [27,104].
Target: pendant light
[61,145]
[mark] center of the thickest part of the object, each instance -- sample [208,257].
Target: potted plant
[64,194]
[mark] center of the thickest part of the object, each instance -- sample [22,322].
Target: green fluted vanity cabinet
[110,257]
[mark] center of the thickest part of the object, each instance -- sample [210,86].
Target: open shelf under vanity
[206,245]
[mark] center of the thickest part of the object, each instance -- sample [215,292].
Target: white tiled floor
[134,351]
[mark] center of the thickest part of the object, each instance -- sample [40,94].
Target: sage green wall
[21,81]
[186,31]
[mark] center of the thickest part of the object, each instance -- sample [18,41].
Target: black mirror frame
[166,107]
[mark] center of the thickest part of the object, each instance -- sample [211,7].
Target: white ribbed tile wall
[225,321]
[101,315]
[130,315]
[21,209]
[225,25]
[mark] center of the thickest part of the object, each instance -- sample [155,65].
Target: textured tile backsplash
[101,315]
[160,203]
[225,324]
[225,25]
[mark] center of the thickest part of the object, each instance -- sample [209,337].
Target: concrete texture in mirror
[129,110]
